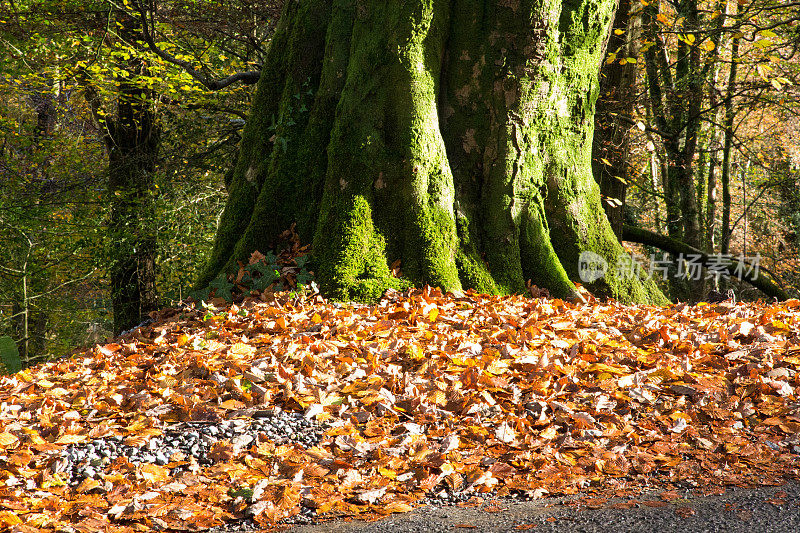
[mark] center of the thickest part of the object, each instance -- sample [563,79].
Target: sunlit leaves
[422,392]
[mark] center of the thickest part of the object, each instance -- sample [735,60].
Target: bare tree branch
[248,78]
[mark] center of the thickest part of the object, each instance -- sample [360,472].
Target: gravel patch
[186,441]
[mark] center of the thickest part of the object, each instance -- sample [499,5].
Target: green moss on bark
[253,160]
[350,253]
[451,135]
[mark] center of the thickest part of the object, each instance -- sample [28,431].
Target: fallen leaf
[8,439]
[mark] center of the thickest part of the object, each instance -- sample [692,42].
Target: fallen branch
[728,266]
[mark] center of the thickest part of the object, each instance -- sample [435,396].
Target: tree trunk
[727,149]
[610,151]
[675,90]
[132,140]
[714,133]
[454,136]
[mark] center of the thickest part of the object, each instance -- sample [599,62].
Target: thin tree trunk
[713,147]
[701,187]
[653,167]
[675,94]
[689,90]
[611,144]
[714,128]
[711,192]
[730,114]
[133,141]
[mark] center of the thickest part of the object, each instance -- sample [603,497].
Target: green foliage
[63,68]
[9,356]
[264,273]
[244,493]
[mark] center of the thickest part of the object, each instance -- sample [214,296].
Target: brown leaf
[88,484]
[654,503]
[669,495]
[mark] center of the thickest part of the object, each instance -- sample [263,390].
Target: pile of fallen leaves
[421,393]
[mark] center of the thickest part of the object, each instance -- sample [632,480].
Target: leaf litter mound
[423,394]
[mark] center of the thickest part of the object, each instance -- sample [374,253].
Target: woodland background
[694,93]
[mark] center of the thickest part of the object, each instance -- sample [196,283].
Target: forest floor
[289,409]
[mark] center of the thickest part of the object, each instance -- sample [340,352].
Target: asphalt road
[762,509]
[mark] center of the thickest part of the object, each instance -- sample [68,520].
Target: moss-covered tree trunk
[452,135]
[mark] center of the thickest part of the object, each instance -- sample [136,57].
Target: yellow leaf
[397,507]
[549,433]
[602,367]
[415,352]
[9,518]
[71,439]
[232,405]
[497,367]
[7,439]
[154,473]
[680,415]
[139,424]
[387,472]
[34,436]
[662,19]
[183,339]
[707,46]
[241,348]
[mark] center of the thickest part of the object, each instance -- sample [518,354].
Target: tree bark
[675,81]
[727,150]
[714,131]
[132,140]
[610,151]
[454,136]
